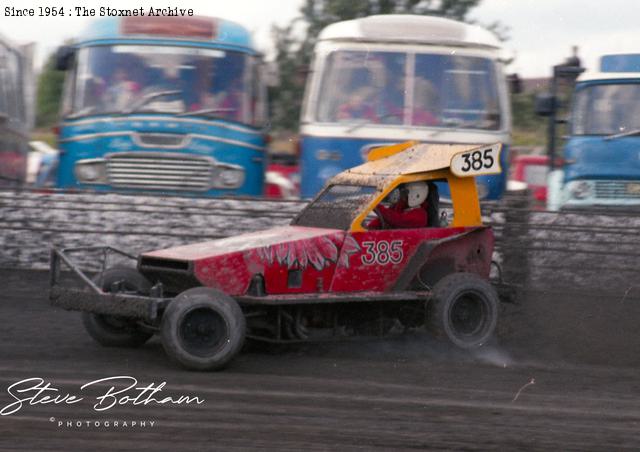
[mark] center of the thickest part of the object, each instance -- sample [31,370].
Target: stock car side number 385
[382,252]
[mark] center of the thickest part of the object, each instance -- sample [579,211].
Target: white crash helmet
[417,193]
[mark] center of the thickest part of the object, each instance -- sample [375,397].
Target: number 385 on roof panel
[477,162]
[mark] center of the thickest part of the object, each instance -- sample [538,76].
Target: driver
[409,211]
[122,90]
[166,95]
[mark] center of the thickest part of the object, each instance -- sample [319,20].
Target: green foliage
[524,116]
[294,48]
[50,84]
[529,129]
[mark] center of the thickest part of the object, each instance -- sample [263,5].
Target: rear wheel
[464,310]
[113,331]
[203,329]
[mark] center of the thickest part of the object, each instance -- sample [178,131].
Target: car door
[374,260]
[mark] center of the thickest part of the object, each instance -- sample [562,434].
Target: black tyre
[463,309]
[203,329]
[112,331]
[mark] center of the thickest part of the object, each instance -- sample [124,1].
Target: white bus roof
[410,28]
[596,75]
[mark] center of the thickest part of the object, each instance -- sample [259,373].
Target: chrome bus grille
[154,171]
[607,189]
[169,140]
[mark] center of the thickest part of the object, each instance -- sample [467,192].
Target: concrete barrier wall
[30,223]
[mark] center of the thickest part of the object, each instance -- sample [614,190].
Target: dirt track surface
[404,393]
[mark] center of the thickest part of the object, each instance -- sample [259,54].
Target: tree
[50,84]
[294,46]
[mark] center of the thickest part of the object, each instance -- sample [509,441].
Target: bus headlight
[229,176]
[91,171]
[580,189]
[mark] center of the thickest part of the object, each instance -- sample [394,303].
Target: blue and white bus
[16,111]
[174,105]
[392,78]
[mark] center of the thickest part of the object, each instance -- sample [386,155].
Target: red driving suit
[399,216]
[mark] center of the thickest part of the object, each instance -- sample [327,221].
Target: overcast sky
[541,31]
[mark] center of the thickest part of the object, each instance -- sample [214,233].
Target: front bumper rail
[92,298]
[121,305]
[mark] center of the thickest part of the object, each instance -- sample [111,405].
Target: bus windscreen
[424,90]
[126,79]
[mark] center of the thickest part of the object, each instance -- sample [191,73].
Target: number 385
[477,160]
[382,252]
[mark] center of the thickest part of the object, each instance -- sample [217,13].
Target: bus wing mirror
[545,104]
[64,58]
[515,84]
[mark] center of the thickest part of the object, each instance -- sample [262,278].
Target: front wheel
[463,309]
[113,331]
[203,329]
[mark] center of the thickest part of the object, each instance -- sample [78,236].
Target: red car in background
[283,177]
[532,170]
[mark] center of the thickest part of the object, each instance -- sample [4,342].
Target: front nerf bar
[95,300]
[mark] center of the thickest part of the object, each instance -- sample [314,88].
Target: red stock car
[327,275]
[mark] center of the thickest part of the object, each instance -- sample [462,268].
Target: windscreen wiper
[628,133]
[206,111]
[149,97]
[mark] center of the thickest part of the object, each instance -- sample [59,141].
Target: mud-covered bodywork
[230,264]
[295,259]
